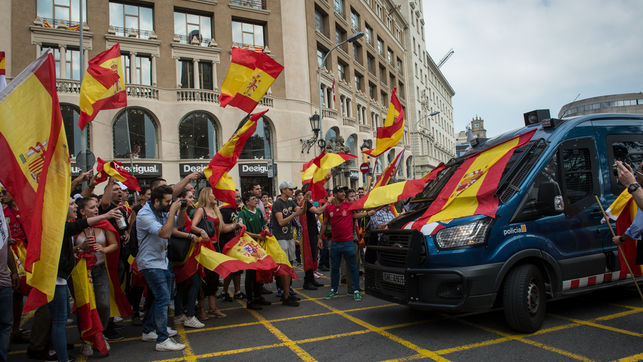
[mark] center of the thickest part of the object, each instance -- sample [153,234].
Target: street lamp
[350,39]
[315,125]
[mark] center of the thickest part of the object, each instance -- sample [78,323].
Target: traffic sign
[365,168]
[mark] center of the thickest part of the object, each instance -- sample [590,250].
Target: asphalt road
[603,326]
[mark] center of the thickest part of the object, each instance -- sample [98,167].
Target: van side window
[578,174]
[626,148]
[533,206]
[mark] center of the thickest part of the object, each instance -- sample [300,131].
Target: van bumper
[461,289]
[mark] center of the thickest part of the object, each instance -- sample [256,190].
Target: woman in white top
[100,242]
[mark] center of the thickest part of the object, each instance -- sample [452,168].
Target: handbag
[178,249]
[207,225]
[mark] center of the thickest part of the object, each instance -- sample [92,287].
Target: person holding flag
[632,236]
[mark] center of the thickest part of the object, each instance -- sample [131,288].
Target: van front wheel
[524,299]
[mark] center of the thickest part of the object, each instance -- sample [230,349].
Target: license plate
[393,278]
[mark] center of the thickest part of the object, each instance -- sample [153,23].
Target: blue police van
[547,240]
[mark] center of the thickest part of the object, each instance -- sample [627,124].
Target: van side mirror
[550,201]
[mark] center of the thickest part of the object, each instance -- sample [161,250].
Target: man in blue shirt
[153,228]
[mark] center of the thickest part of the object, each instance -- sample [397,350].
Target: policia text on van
[546,240]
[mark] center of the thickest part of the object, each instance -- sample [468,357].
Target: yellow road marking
[382,332]
[601,326]
[187,352]
[618,315]
[636,357]
[228,352]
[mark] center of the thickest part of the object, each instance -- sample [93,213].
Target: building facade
[613,103]
[175,55]
[430,109]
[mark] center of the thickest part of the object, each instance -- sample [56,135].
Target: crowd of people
[125,235]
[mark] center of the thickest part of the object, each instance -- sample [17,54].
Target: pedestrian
[266,200]
[8,283]
[135,292]
[154,227]
[229,215]
[340,218]
[310,213]
[284,210]
[634,232]
[256,190]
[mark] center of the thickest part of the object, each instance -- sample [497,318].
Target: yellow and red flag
[272,247]
[470,191]
[398,191]
[103,85]
[91,328]
[308,170]
[389,135]
[36,169]
[3,71]
[226,157]
[250,76]
[324,165]
[390,171]
[19,251]
[116,170]
[623,210]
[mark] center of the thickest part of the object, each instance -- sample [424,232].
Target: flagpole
[129,146]
[84,131]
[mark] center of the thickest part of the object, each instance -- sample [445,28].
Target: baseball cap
[286,185]
[121,185]
[340,188]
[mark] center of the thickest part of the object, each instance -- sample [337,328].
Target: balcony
[329,113]
[142,91]
[131,33]
[364,128]
[68,86]
[349,121]
[266,101]
[184,39]
[253,4]
[198,95]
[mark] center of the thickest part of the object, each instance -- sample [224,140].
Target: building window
[359,80]
[321,53]
[357,53]
[198,136]
[384,99]
[142,134]
[409,167]
[400,90]
[126,67]
[70,114]
[205,76]
[56,53]
[341,70]
[371,64]
[143,70]
[389,55]
[255,4]
[55,11]
[124,17]
[383,76]
[399,66]
[320,22]
[340,35]
[380,47]
[372,90]
[351,143]
[248,34]
[187,73]
[259,145]
[187,26]
[339,7]
[354,20]
[368,33]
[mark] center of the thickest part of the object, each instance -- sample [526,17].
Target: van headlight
[465,235]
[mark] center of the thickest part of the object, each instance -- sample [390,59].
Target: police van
[546,241]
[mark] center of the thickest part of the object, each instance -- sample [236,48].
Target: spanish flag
[226,157]
[250,76]
[272,247]
[398,191]
[389,135]
[623,210]
[470,190]
[103,85]
[308,170]
[116,170]
[324,165]
[390,170]
[91,328]
[35,170]
[19,251]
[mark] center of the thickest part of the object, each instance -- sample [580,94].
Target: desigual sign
[254,169]
[187,168]
[144,169]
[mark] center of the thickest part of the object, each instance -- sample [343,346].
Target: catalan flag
[623,210]
[103,85]
[91,328]
[470,191]
[398,191]
[36,170]
[116,170]
[389,135]
[390,170]
[324,165]
[3,71]
[250,76]
[217,170]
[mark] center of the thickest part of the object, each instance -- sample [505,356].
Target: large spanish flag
[103,85]
[250,76]
[36,170]
[116,170]
[390,171]
[398,191]
[471,189]
[226,157]
[324,165]
[623,210]
[272,247]
[91,328]
[389,135]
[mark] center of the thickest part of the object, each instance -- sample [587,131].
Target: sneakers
[318,275]
[331,294]
[239,295]
[86,350]
[151,336]
[171,332]
[193,323]
[357,296]
[292,292]
[180,319]
[291,302]
[169,345]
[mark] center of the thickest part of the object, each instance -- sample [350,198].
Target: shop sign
[144,169]
[187,168]
[255,169]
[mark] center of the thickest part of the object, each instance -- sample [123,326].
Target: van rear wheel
[524,299]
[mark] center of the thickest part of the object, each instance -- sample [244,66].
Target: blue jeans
[6,320]
[59,308]
[187,291]
[323,256]
[159,282]
[347,249]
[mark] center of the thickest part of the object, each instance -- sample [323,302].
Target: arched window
[400,167]
[198,136]
[351,143]
[142,133]
[390,157]
[409,168]
[70,114]
[331,137]
[259,145]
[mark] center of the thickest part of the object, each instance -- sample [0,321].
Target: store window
[142,134]
[70,114]
[198,136]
